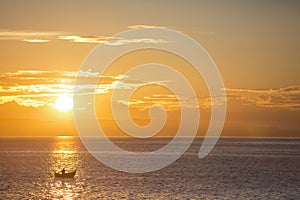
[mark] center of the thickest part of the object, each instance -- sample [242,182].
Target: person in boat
[63,171]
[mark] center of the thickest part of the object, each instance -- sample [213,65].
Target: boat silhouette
[64,174]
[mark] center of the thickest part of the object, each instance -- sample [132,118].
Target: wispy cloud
[108,40]
[86,39]
[18,34]
[29,36]
[40,88]
[286,97]
[168,101]
[145,26]
[42,37]
[35,40]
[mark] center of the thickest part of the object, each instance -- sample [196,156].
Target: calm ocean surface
[252,168]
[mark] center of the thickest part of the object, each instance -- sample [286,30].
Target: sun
[64,103]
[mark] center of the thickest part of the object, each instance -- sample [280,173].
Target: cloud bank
[40,88]
[43,37]
[37,88]
[286,97]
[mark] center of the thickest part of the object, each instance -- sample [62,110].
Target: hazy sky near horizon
[255,45]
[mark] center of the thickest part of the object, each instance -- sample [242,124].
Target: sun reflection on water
[64,154]
[65,189]
[64,151]
[64,136]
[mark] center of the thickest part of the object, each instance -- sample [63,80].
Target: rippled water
[235,169]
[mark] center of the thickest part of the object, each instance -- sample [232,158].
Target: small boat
[65,174]
[4,188]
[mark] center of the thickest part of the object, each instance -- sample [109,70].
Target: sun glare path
[64,136]
[64,103]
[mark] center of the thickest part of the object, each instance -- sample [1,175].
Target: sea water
[237,168]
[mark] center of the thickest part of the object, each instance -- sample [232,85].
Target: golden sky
[255,45]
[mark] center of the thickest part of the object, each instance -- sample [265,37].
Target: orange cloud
[40,88]
[85,39]
[42,37]
[145,26]
[287,97]
[29,36]
[35,40]
[107,40]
